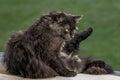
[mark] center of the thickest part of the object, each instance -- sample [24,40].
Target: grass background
[102,15]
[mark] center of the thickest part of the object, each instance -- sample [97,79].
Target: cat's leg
[53,59]
[72,62]
[60,68]
[37,69]
[94,66]
[73,44]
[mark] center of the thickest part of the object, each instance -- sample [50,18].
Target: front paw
[70,74]
[84,34]
[97,63]
[90,30]
[95,70]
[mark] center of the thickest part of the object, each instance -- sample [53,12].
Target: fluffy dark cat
[46,49]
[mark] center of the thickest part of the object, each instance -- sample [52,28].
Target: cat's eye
[66,30]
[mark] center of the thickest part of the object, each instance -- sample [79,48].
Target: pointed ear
[53,15]
[77,18]
[57,16]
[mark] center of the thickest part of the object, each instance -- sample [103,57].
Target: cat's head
[62,23]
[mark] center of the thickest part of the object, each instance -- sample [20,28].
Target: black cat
[45,49]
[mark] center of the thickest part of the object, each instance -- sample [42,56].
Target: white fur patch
[62,54]
[77,58]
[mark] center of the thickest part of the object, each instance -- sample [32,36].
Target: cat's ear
[57,16]
[53,15]
[77,18]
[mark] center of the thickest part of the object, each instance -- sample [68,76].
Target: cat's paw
[96,63]
[95,70]
[70,74]
[90,30]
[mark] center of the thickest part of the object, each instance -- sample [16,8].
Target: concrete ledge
[5,76]
[78,77]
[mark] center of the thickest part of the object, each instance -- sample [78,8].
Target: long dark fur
[43,49]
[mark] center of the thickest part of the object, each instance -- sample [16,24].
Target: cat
[44,49]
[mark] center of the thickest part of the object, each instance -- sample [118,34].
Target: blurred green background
[102,15]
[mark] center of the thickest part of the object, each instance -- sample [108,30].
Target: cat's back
[14,40]
[17,36]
